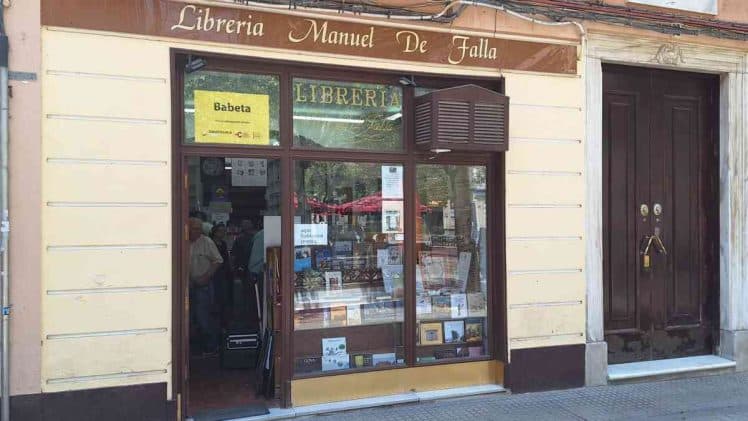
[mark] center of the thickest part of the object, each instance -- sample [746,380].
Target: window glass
[347,115]
[231,108]
[451,271]
[348,265]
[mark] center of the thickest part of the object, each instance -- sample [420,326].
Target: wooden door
[659,188]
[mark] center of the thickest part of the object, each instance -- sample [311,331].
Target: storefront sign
[242,25]
[230,117]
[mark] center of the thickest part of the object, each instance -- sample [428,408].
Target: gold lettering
[326,97]
[368,38]
[395,99]
[182,14]
[208,20]
[239,26]
[311,29]
[381,98]
[460,42]
[356,96]
[413,42]
[230,25]
[221,22]
[371,95]
[313,89]
[258,29]
[342,96]
[299,95]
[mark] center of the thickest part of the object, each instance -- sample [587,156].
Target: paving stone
[718,398]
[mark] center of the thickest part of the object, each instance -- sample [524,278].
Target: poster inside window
[231,108]
[451,271]
[348,266]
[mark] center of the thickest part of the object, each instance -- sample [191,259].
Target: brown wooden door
[659,150]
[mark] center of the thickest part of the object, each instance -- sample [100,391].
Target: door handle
[658,243]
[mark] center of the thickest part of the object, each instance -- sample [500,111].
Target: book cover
[361,360]
[335,362]
[385,359]
[441,305]
[431,333]
[473,330]
[459,306]
[423,305]
[323,258]
[353,315]
[392,276]
[308,365]
[343,248]
[334,346]
[454,331]
[475,351]
[338,316]
[334,281]
[302,259]
[442,354]
[379,311]
[477,304]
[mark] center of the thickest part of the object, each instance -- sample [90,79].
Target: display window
[344,115]
[452,270]
[348,263]
[384,256]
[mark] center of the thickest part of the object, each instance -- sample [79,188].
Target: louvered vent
[463,118]
[423,122]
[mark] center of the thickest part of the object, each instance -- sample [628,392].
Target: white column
[733,217]
[596,360]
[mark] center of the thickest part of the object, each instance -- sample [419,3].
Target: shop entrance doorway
[233,245]
[660,213]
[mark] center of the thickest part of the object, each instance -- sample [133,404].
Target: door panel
[658,146]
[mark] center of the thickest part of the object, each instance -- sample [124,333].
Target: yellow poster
[230,117]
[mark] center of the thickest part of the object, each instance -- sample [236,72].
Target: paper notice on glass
[392,182]
[310,234]
[392,217]
[463,270]
[249,172]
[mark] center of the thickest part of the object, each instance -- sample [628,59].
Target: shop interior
[235,205]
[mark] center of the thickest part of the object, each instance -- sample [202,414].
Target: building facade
[526,195]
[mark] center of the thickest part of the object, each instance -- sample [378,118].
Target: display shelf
[372,323]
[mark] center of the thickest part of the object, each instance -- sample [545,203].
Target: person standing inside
[222,279]
[243,248]
[205,259]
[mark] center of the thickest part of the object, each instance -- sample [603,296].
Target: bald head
[195,228]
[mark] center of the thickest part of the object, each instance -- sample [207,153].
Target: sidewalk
[722,397]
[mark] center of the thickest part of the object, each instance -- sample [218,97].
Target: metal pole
[5,223]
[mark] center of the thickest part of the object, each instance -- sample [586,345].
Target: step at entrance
[670,368]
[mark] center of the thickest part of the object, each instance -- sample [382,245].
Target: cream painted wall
[106,231]
[545,211]
[22,26]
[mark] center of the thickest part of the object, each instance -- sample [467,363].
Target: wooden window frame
[287,154]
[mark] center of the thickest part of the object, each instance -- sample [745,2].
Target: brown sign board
[289,31]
